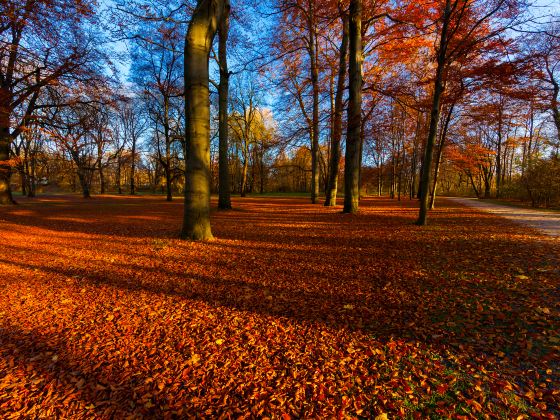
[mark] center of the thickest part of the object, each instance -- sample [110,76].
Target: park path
[545,222]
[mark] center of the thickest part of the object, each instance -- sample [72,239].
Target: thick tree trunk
[332,183]
[353,137]
[84,182]
[200,35]
[224,186]
[434,120]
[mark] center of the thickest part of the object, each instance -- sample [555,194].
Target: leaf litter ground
[294,311]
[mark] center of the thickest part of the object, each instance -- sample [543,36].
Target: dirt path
[546,222]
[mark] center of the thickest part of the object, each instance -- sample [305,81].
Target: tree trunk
[31,164]
[313,56]
[100,168]
[499,157]
[353,136]
[201,31]
[262,171]
[332,183]
[5,166]
[118,175]
[440,154]
[224,186]
[168,187]
[84,182]
[23,173]
[555,102]
[243,190]
[434,120]
[133,167]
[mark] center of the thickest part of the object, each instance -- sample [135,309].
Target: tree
[72,128]
[224,198]
[353,138]
[157,74]
[200,35]
[548,56]
[299,33]
[462,27]
[336,133]
[133,125]
[42,42]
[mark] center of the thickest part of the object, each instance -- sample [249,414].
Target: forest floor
[545,221]
[294,311]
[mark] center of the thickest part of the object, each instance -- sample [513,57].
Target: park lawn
[294,311]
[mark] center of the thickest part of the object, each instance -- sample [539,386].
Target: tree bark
[224,186]
[200,35]
[353,137]
[332,183]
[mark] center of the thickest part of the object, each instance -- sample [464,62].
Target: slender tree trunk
[499,158]
[100,169]
[332,183]
[168,187]
[393,173]
[555,101]
[474,186]
[23,173]
[414,168]
[198,43]
[5,166]
[118,175]
[434,120]
[379,178]
[313,56]
[224,186]
[262,173]
[243,191]
[133,167]
[33,176]
[30,170]
[439,155]
[353,137]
